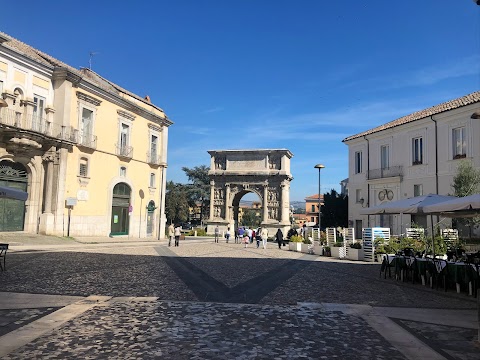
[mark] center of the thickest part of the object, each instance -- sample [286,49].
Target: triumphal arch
[234,173]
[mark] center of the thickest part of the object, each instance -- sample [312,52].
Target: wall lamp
[362,202]
[476,114]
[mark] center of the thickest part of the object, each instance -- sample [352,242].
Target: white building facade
[415,155]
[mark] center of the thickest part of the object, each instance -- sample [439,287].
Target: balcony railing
[153,159]
[88,141]
[391,171]
[124,151]
[37,124]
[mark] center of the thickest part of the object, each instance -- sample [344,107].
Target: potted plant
[307,242]
[337,250]
[355,252]
[327,251]
[295,243]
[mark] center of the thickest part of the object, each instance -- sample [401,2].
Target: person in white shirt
[178,232]
[264,236]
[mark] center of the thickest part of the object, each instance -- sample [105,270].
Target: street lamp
[319,167]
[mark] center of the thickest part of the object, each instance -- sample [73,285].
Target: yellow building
[90,154]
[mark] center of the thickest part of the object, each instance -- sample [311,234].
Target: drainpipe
[368,172]
[436,172]
[436,155]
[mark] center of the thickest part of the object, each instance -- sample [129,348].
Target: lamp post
[319,167]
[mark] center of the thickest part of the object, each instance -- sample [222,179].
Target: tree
[466,182]
[335,210]
[176,202]
[250,218]
[198,190]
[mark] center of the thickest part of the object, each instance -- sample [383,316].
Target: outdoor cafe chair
[441,272]
[3,254]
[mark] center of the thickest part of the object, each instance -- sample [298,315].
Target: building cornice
[88,98]
[125,115]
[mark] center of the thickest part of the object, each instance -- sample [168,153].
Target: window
[83,168]
[1,87]
[312,219]
[358,162]
[38,107]
[86,126]
[123,171]
[153,148]
[384,156]
[313,208]
[358,195]
[124,136]
[152,180]
[417,151]
[418,190]
[459,143]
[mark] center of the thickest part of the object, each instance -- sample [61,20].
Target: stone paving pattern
[219,301]
[183,330]
[13,319]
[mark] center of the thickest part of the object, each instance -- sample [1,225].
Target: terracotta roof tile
[437,109]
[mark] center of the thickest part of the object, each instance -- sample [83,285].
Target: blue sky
[296,74]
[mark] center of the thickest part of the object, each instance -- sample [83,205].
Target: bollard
[195,233]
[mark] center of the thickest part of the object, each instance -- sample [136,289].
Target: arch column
[212,197]
[285,202]
[227,202]
[265,203]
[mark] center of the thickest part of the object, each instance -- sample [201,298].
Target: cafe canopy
[413,205]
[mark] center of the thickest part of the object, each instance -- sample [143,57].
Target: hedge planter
[355,254]
[295,246]
[304,248]
[336,251]
[318,249]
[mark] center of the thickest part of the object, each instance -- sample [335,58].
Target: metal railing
[124,151]
[88,141]
[153,159]
[35,123]
[391,171]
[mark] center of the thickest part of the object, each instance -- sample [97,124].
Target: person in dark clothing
[279,238]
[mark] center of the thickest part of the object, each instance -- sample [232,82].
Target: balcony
[36,124]
[124,151]
[153,159]
[88,141]
[392,171]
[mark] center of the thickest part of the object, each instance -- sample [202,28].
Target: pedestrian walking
[250,233]
[236,236]
[279,238]
[257,236]
[171,234]
[227,235]
[264,236]
[178,232]
[241,231]
[217,233]
[246,240]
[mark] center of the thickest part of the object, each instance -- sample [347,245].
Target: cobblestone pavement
[222,301]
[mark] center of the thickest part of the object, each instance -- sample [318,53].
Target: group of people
[174,232]
[247,235]
[242,234]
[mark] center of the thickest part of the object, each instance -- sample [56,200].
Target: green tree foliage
[335,210]
[176,202]
[198,191]
[250,218]
[466,182]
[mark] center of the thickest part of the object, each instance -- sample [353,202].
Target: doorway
[120,209]
[12,212]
